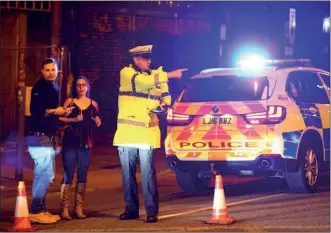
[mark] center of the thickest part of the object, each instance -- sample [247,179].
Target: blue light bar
[252,62]
[258,63]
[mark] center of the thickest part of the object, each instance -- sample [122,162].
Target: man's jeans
[41,149]
[128,157]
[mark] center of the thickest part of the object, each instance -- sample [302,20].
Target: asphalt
[258,205]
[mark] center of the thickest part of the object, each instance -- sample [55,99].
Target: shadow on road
[6,216]
[264,186]
[112,166]
[99,214]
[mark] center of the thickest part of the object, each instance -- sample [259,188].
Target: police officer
[142,91]
[44,108]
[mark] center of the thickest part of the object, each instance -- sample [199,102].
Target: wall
[9,41]
[34,29]
[105,34]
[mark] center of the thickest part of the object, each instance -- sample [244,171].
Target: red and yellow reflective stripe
[136,123]
[218,132]
[223,108]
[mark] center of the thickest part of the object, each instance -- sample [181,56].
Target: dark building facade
[100,35]
[193,35]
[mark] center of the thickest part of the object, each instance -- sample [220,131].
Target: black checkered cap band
[143,55]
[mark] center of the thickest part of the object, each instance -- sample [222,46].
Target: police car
[266,120]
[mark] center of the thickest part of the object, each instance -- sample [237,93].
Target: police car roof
[219,72]
[267,71]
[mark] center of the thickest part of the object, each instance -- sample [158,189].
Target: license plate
[217,120]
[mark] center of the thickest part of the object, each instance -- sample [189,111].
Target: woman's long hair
[74,87]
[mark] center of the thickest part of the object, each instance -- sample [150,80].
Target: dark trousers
[71,156]
[128,157]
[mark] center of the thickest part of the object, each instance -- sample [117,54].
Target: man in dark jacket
[44,108]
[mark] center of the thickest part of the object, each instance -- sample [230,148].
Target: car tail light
[175,119]
[273,115]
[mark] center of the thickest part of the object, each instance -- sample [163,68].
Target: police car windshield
[226,88]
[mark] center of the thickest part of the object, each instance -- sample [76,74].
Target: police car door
[314,104]
[325,115]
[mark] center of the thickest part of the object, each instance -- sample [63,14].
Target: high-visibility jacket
[139,93]
[161,90]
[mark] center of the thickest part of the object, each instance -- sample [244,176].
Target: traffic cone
[220,213]
[22,217]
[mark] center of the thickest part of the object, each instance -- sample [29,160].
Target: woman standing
[77,144]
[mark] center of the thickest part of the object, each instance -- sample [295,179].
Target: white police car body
[270,121]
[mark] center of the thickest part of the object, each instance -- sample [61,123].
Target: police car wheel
[305,179]
[189,182]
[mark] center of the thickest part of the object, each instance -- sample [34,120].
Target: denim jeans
[71,156]
[41,149]
[128,158]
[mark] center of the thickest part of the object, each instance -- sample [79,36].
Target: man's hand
[161,109]
[60,111]
[176,73]
[68,111]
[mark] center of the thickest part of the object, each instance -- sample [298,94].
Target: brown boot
[65,193]
[80,193]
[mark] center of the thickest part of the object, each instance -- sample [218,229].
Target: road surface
[258,205]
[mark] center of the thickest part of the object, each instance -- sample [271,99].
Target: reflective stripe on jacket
[138,95]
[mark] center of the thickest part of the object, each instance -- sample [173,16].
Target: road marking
[57,193]
[50,194]
[230,204]
[247,228]
[224,228]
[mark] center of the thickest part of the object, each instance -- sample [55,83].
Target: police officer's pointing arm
[141,82]
[165,95]
[144,81]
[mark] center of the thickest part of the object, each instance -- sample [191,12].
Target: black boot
[127,215]
[151,218]
[79,200]
[65,193]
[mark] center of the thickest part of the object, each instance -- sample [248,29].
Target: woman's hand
[96,120]
[79,117]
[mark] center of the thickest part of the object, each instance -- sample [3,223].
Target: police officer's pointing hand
[176,73]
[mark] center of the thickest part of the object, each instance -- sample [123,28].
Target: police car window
[326,79]
[305,86]
[225,88]
[294,87]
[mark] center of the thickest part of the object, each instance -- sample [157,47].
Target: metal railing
[26,5]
